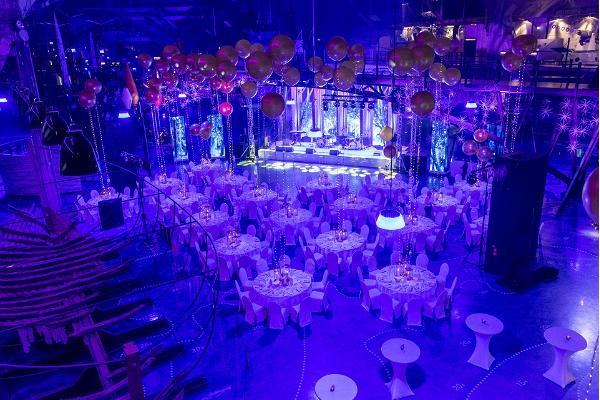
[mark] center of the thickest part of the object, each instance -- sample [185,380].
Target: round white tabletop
[235,180]
[260,198]
[298,218]
[565,339]
[268,288]
[484,323]
[336,387]
[402,351]
[397,184]
[422,285]
[247,245]
[321,185]
[327,242]
[445,202]
[353,204]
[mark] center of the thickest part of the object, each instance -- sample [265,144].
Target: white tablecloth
[421,286]
[249,245]
[171,184]
[327,243]
[444,203]
[93,202]
[285,296]
[215,223]
[466,188]
[192,198]
[298,221]
[352,209]
[236,181]
[397,184]
[261,200]
[323,187]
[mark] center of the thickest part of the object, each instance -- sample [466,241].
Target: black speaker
[515,213]
[334,152]
[310,150]
[111,213]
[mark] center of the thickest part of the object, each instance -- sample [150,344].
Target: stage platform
[366,158]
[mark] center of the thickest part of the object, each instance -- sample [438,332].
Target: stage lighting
[123,115]
[471,105]
[362,105]
[345,105]
[352,104]
[371,106]
[337,103]
[390,220]
[76,154]
[3,100]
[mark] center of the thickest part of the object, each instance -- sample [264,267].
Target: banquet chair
[370,297]
[224,208]
[317,197]
[420,241]
[361,220]
[224,269]
[127,191]
[471,237]
[94,193]
[441,278]
[422,261]
[413,312]
[303,197]
[330,196]
[243,275]
[475,198]
[320,286]
[364,232]
[390,308]
[241,294]
[301,313]
[317,257]
[333,264]
[251,230]
[439,216]
[450,292]
[435,308]
[372,263]
[276,315]
[308,238]
[369,283]
[435,243]
[325,227]
[205,264]
[395,257]
[364,192]
[347,225]
[319,299]
[309,267]
[355,260]
[458,177]
[451,215]
[255,313]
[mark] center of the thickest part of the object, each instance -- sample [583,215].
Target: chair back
[387,308]
[317,197]
[243,274]
[422,261]
[452,287]
[444,270]
[359,273]
[251,230]
[275,317]
[395,257]
[285,260]
[224,272]
[347,225]
[420,242]
[439,218]
[309,266]
[414,310]
[439,310]
[251,209]
[357,258]
[239,291]
[307,236]
[290,235]
[372,263]
[325,227]
[224,208]
[250,315]
[305,314]
[364,231]
[438,244]
[332,264]
[451,214]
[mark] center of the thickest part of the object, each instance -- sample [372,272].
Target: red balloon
[480,135]
[154,83]
[93,84]
[227,53]
[390,151]
[170,80]
[272,104]
[215,83]
[484,153]
[169,51]
[225,108]
[195,129]
[227,87]
[469,147]
[87,99]
[161,66]
[144,60]
[179,63]
[422,103]
[226,70]
[205,130]
[589,196]
[153,96]
[207,64]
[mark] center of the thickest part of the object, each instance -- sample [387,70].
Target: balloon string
[105,173]
[93,129]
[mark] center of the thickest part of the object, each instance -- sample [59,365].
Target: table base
[481,356]
[559,372]
[398,386]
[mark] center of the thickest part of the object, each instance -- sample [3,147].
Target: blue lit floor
[245,362]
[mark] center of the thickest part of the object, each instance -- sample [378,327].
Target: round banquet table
[205,169]
[397,184]
[336,387]
[170,184]
[327,243]
[285,296]
[484,326]
[443,204]
[236,181]
[352,208]
[261,200]
[412,228]
[248,245]
[215,222]
[565,342]
[187,202]
[421,286]
[300,218]
[464,187]
[323,187]
[400,352]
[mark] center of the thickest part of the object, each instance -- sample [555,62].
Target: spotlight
[352,104]
[362,105]
[337,103]
[371,106]
[471,105]
[325,106]
[3,100]
[76,154]
[123,115]
[345,105]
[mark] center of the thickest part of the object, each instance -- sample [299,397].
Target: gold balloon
[400,60]
[207,65]
[282,49]
[510,61]
[315,64]
[422,103]
[344,78]
[226,71]
[437,71]
[169,51]
[249,89]
[337,48]
[327,72]
[386,133]
[243,48]
[356,52]
[524,45]
[452,76]
[442,46]
[319,80]
[227,53]
[359,67]
[257,47]
[259,66]
[292,76]
[425,38]
[272,104]
[424,57]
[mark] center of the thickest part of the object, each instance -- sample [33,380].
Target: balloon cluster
[522,46]
[87,96]
[476,147]
[386,134]
[344,76]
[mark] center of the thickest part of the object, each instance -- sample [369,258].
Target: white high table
[484,326]
[565,342]
[336,387]
[400,352]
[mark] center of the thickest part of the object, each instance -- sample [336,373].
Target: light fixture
[290,102]
[345,105]
[3,100]
[76,154]
[352,104]
[390,220]
[371,106]
[123,115]
[471,105]
[337,103]
[362,105]
[182,95]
